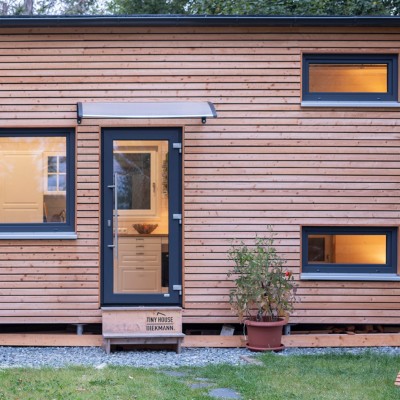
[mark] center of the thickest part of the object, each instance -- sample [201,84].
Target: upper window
[349,250]
[37,180]
[363,77]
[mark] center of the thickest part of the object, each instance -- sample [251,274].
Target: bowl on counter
[144,229]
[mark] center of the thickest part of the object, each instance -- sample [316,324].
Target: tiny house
[133,149]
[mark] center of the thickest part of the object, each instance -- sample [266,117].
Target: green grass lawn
[345,377]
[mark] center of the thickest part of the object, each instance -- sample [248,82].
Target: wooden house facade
[284,142]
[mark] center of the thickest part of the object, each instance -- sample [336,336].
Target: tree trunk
[4,8]
[28,7]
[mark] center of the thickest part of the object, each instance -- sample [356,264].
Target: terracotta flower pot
[263,336]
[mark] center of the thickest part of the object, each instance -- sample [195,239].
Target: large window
[335,77]
[349,250]
[36,180]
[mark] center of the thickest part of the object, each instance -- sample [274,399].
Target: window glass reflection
[347,249]
[33,179]
[141,216]
[134,180]
[348,78]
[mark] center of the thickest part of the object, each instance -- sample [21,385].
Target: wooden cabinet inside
[21,194]
[138,266]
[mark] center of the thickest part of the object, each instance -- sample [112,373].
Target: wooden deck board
[303,340]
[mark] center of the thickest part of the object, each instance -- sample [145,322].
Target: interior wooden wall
[264,160]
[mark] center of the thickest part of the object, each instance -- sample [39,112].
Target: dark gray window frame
[54,228]
[390,59]
[347,269]
[172,135]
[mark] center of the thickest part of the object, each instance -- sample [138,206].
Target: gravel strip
[395,351]
[57,357]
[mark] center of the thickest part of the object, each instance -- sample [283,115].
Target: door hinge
[177,288]
[177,216]
[177,146]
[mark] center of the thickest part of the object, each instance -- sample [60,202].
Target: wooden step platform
[142,326]
[142,339]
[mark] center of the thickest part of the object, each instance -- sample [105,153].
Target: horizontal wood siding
[263,161]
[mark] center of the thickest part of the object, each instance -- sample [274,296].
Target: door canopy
[186,109]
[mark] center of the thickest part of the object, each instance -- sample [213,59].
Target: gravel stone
[57,357]
[200,385]
[176,374]
[224,393]
[338,350]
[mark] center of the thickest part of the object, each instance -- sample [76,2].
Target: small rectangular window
[335,77]
[349,250]
[37,181]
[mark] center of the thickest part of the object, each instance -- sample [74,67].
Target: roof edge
[197,21]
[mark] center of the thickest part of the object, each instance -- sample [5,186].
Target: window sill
[38,236]
[349,277]
[352,104]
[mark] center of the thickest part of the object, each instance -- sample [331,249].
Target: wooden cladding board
[264,161]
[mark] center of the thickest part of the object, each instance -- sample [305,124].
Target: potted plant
[264,291]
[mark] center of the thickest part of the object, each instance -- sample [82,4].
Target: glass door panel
[141,216]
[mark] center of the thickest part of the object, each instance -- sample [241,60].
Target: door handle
[116,214]
[178,288]
[114,246]
[178,217]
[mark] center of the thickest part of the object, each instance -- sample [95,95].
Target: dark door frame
[173,297]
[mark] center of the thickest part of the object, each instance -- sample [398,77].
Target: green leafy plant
[264,289]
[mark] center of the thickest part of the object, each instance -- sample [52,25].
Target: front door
[141,216]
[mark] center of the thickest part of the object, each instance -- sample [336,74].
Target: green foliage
[210,7]
[79,7]
[50,7]
[261,282]
[146,6]
[12,7]
[295,7]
